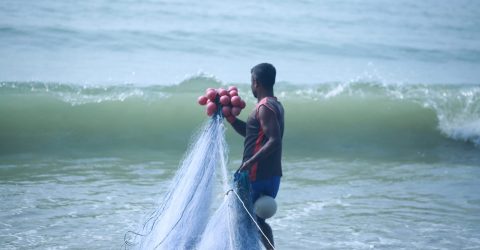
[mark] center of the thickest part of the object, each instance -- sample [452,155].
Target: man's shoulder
[274,104]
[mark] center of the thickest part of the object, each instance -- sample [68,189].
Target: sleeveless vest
[270,165]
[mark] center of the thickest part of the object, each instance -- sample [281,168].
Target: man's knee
[266,229]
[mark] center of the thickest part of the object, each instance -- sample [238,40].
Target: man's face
[254,86]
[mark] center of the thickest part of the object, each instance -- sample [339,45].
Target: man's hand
[231,119]
[246,165]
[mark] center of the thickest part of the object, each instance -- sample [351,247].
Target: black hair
[265,74]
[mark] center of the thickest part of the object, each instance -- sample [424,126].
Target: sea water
[366,165]
[382,101]
[161,41]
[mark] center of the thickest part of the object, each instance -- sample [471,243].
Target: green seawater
[366,165]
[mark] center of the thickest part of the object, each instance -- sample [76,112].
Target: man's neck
[262,95]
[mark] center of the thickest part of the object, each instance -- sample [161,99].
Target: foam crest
[457,109]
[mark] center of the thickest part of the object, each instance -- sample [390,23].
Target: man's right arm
[239,126]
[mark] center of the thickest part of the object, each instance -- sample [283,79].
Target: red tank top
[270,165]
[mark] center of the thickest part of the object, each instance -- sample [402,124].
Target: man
[263,134]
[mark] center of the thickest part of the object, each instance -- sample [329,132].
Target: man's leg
[267,230]
[270,188]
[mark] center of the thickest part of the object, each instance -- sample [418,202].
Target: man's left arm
[271,129]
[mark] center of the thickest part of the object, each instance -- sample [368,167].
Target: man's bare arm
[239,126]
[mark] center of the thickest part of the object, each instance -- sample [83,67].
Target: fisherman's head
[263,76]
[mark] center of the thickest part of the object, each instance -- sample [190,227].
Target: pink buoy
[233,93]
[232,88]
[211,108]
[227,111]
[236,111]
[236,101]
[222,91]
[242,104]
[202,100]
[225,100]
[211,94]
[208,89]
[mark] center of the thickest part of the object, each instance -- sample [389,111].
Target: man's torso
[270,165]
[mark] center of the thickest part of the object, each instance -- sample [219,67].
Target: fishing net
[183,221]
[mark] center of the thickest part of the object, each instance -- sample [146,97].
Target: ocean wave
[457,107]
[354,118]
